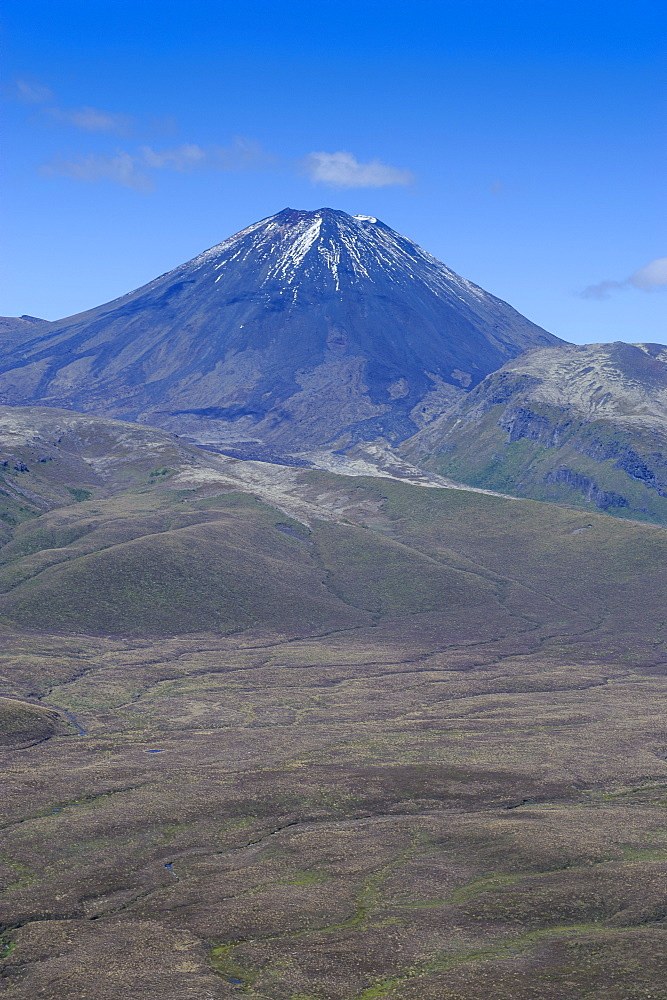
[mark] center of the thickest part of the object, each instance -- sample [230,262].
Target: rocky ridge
[576,424]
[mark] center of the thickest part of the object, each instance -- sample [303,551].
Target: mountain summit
[304,329]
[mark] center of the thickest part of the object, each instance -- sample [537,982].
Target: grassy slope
[151,563]
[50,458]
[536,552]
[480,454]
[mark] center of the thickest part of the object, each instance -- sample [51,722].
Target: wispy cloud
[119,168]
[343,170]
[241,154]
[602,290]
[31,91]
[134,169]
[184,157]
[649,278]
[91,119]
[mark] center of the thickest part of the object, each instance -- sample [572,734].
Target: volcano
[302,330]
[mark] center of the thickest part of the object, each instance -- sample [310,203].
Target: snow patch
[290,259]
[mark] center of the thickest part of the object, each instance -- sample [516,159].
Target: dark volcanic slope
[15,330]
[298,329]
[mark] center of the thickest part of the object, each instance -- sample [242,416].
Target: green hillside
[586,426]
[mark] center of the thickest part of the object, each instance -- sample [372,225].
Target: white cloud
[91,119]
[181,158]
[120,168]
[343,170]
[32,92]
[654,275]
[648,278]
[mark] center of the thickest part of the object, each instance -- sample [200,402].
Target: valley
[401,742]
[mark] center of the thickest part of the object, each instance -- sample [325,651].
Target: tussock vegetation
[414,751]
[23,723]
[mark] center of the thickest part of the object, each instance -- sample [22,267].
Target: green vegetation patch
[79,494]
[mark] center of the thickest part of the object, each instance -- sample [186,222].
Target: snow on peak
[294,243]
[295,252]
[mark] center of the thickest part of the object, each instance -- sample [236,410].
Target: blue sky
[522,143]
